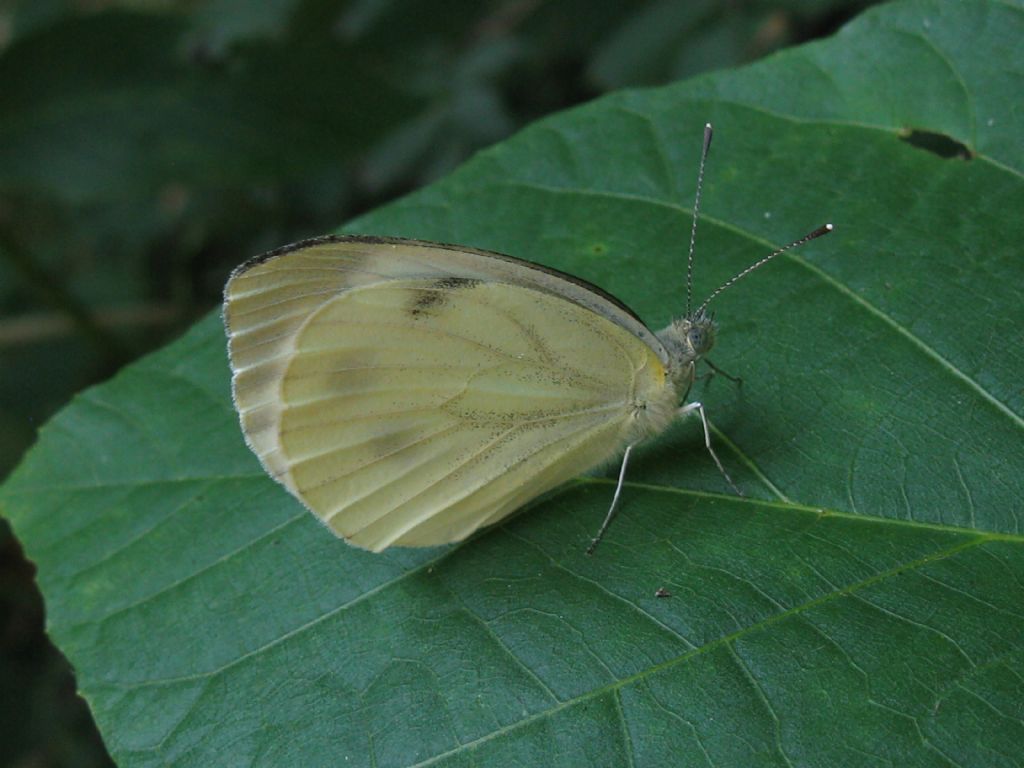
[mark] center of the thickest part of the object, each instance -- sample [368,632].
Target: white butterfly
[409,393]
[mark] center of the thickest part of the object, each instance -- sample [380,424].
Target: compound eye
[696,338]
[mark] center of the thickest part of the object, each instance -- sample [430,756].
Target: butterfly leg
[615,503]
[715,370]
[699,408]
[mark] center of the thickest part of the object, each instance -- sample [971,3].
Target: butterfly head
[687,339]
[701,331]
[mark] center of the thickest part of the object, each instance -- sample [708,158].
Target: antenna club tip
[828,227]
[708,133]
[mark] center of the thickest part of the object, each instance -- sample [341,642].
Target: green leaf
[861,606]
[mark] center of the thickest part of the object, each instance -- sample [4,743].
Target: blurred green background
[147,146]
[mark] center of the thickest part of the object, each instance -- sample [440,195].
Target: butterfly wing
[409,393]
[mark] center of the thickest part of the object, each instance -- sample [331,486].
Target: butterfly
[410,393]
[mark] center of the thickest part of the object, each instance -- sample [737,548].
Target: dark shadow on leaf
[936,143]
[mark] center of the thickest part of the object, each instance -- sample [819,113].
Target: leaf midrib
[975,538]
[782,506]
[233,554]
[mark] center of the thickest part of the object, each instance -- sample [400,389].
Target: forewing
[414,411]
[268,299]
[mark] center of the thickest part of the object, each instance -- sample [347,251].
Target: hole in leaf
[937,143]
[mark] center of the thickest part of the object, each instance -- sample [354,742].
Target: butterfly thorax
[687,339]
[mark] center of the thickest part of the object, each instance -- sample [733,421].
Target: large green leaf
[863,604]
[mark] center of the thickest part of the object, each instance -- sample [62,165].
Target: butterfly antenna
[696,214]
[823,230]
